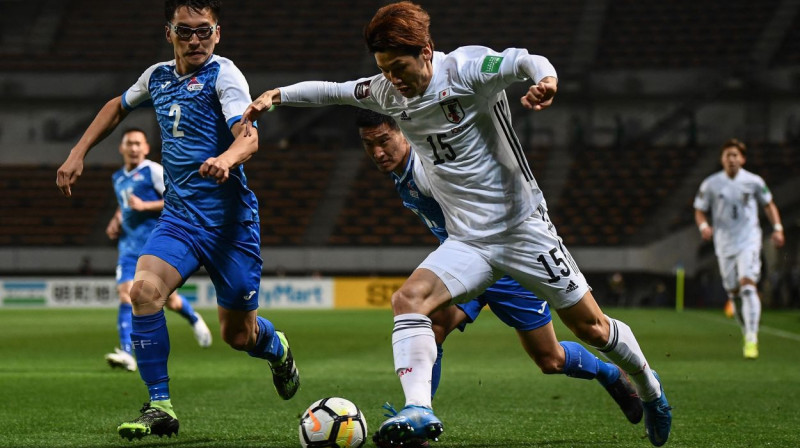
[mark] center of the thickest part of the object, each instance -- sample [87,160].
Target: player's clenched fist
[215,168]
[540,95]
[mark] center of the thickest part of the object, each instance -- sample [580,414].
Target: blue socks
[268,345]
[436,373]
[187,311]
[580,363]
[150,341]
[124,326]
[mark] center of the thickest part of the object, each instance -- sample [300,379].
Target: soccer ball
[333,422]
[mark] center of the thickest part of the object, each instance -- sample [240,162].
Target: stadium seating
[653,34]
[34,213]
[611,191]
[289,184]
[788,53]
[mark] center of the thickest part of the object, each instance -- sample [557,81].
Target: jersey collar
[408,169]
[188,75]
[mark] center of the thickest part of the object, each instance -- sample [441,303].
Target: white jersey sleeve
[139,92]
[489,72]
[356,93]
[762,193]
[233,91]
[157,177]
[701,199]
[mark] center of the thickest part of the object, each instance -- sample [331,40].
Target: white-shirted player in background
[454,111]
[733,196]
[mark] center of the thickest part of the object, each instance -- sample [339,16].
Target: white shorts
[745,264]
[531,253]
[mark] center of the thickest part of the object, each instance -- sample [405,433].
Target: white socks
[751,312]
[623,350]
[414,350]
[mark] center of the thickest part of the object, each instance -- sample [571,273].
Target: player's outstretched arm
[262,104]
[774,217]
[106,120]
[239,152]
[540,95]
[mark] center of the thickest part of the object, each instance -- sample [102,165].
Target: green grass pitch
[56,390]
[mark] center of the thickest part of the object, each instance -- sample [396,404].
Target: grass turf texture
[57,390]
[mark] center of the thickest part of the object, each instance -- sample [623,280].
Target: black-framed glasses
[185,32]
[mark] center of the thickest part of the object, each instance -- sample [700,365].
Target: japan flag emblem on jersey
[452,110]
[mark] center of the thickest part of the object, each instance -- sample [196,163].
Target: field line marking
[762,328]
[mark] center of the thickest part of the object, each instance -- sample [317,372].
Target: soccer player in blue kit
[517,307]
[210,216]
[139,188]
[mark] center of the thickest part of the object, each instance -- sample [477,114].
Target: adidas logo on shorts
[572,286]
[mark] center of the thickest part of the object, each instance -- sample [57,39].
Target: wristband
[703,226]
[777,227]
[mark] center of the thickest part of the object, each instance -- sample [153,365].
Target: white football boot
[122,359]
[201,332]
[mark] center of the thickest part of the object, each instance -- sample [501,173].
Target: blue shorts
[514,305]
[231,254]
[126,267]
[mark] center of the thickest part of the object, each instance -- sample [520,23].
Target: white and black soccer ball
[333,422]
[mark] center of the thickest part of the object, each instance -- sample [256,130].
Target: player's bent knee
[148,290]
[404,302]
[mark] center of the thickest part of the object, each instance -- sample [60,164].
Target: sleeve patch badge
[362,90]
[491,64]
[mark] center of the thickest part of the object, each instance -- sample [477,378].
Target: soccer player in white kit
[454,111]
[733,196]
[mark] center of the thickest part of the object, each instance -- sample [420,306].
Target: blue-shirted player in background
[210,216]
[386,146]
[139,188]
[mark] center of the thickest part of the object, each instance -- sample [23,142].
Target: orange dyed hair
[401,26]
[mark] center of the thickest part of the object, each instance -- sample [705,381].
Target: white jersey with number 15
[461,131]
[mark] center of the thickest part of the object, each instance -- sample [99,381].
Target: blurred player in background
[515,306]
[139,188]
[454,111]
[733,196]
[210,216]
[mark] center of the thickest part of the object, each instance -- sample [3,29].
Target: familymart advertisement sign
[86,292]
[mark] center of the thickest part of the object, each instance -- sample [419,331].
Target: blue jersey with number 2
[195,112]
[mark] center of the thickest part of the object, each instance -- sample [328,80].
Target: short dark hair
[736,143]
[366,118]
[127,131]
[170,6]
[401,26]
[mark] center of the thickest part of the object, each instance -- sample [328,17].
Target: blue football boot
[412,427]
[658,418]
